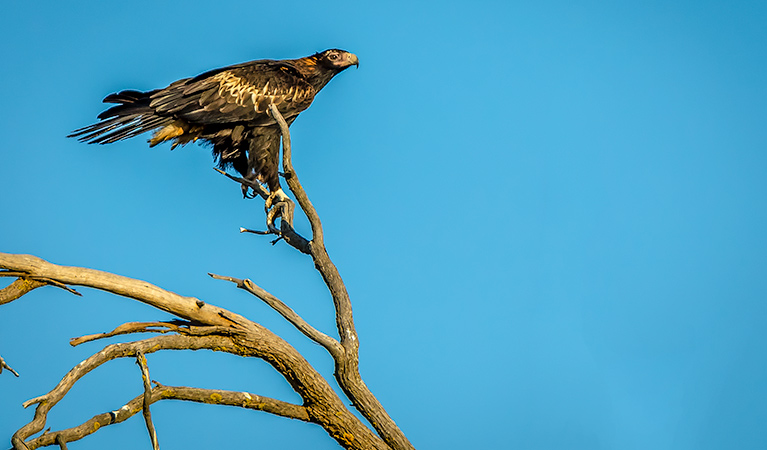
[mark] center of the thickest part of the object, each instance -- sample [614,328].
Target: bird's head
[337,60]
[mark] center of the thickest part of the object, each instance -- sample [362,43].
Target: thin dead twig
[332,345]
[132,327]
[26,283]
[4,365]
[141,361]
[257,188]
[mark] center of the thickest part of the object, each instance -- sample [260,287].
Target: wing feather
[240,93]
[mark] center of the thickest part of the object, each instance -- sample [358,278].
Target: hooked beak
[353,60]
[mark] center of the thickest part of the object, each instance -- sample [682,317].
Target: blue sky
[550,217]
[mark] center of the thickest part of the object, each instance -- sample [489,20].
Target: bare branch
[141,361]
[129,328]
[257,188]
[4,365]
[160,392]
[25,284]
[292,179]
[332,345]
[259,232]
[185,307]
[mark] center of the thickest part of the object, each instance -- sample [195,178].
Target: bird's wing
[239,93]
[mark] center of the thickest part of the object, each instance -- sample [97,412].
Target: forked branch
[147,400]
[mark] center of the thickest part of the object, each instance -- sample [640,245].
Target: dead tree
[201,325]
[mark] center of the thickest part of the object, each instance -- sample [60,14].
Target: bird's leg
[276,196]
[246,192]
[278,205]
[252,186]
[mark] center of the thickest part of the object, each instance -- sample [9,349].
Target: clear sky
[550,215]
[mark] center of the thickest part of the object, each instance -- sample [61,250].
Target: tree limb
[185,307]
[292,178]
[147,400]
[332,345]
[129,328]
[160,392]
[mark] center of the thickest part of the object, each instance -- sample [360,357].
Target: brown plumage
[225,107]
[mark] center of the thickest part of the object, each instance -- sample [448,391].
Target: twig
[332,345]
[58,285]
[3,365]
[141,361]
[132,327]
[257,188]
[27,283]
[259,232]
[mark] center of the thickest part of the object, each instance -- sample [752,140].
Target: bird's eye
[333,56]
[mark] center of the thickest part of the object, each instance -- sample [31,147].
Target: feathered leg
[263,161]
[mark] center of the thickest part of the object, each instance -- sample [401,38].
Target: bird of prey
[227,108]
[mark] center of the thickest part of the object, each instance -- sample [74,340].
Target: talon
[278,205]
[275,197]
[271,215]
[246,192]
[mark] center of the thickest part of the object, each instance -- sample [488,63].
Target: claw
[275,197]
[278,205]
[246,191]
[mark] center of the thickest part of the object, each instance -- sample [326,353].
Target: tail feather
[130,117]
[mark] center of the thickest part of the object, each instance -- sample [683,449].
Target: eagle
[227,108]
